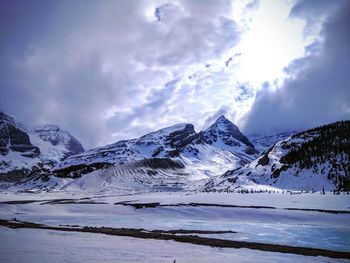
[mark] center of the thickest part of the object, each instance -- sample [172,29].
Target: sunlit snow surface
[277,226]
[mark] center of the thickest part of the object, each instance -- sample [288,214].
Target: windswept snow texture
[144,175]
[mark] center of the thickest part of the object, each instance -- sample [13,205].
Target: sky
[112,70]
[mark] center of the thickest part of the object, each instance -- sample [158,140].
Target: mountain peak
[56,136]
[170,139]
[223,129]
[222,118]
[222,123]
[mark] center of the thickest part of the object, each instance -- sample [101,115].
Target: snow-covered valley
[175,193]
[52,246]
[296,220]
[159,131]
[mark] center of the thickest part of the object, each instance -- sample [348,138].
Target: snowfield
[303,220]
[56,247]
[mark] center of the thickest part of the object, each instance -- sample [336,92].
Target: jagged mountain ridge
[24,152]
[315,159]
[208,152]
[224,132]
[14,138]
[173,158]
[163,143]
[178,157]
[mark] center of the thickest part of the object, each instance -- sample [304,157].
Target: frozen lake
[270,221]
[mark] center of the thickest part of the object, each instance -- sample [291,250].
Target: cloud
[314,11]
[82,65]
[110,70]
[317,89]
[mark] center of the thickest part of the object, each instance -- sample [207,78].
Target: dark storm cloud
[314,10]
[40,81]
[317,90]
[75,63]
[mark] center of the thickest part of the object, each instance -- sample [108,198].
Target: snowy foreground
[302,220]
[51,246]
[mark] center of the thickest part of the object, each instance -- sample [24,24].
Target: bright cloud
[272,40]
[112,70]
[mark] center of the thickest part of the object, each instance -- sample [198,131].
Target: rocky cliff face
[226,132]
[164,143]
[225,135]
[14,138]
[25,152]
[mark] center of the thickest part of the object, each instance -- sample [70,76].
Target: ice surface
[278,226]
[33,246]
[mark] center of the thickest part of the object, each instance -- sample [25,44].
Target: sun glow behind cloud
[136,66]
[271,41]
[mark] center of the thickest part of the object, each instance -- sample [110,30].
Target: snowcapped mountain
[18,156]
[57,136]
[164,143]
[178,158]
[223,134]
[14,138]
[203,154]
[32,151]
[315,159]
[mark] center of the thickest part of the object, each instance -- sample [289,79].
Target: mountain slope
[178,157]
[166,142]
[315,159]
[223,134]
[14,138]
[32,151]
[264,142]
[56,136]
[208,153]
